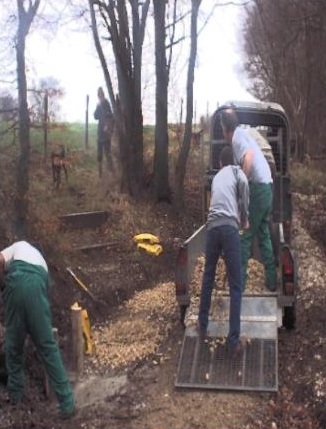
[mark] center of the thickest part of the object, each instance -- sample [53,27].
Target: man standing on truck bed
[228,211]
[250,157]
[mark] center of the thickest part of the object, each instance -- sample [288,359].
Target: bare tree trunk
[161,156]
[185,148]
[127,105]
[87,122]
[100,54]
[46,123]
[25,19]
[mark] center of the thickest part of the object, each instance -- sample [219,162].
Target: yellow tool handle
[81,284]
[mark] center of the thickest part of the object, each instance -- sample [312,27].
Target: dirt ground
[141,393]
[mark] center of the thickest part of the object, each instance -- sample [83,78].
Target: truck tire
[289,317]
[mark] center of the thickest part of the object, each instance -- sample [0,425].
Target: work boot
[202,333]
[272,285]
[236,352]
[67,415]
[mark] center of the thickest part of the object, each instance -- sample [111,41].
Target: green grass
[72,135]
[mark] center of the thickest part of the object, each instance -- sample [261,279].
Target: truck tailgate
[208,365]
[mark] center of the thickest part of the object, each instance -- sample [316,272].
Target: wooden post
[77,339]
[86,122]
[45,123]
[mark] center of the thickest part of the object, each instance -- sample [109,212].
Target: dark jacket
[103,114]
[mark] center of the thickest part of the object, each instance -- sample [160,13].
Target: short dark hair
[229,120]
[226,156]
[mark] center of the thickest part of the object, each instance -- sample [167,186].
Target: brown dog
[58,163]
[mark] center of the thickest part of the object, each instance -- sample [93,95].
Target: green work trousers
[259,213]
[27,311]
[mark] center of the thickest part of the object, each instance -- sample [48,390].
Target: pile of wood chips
[255,286]
[145,322]
[147,318]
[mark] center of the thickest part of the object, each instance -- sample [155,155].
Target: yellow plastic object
[87,332]
[153,249]
[146,238]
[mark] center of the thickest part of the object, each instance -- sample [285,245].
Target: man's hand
[246,225]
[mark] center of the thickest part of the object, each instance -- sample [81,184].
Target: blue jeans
[224,239]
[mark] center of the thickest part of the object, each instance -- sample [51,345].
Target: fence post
[45,123]
[86,122]
[77,339]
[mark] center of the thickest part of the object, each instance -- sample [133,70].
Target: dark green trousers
[259,213]
[27,311]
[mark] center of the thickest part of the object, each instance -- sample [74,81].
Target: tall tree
[26,13]
[285,60]
[161,155]
[124,23]
[185,148]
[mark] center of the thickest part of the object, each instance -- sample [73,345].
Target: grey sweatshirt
[229,198]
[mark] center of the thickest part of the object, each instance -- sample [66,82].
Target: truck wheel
[289,317]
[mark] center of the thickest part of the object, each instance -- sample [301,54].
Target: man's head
[229,122]
[100,93]
[226,156]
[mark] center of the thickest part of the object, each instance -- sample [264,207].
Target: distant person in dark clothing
[103,114]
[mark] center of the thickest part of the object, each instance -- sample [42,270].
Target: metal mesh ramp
[208,364]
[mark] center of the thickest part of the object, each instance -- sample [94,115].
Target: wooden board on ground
[84,220]
[97,246]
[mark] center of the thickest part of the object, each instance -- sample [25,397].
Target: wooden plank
[84,220]
[96,246]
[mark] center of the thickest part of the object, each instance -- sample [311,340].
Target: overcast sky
[219,61]
[71,58]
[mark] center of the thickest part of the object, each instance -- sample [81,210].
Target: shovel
[85,288]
